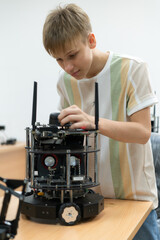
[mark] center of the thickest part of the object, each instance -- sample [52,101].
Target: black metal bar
[34,108]
[96,106]
[4,209]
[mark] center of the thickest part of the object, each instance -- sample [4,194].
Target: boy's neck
[98,63]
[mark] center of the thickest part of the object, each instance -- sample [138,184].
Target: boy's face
[77,59]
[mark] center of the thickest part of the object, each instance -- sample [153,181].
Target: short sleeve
[63,103]
[139,91]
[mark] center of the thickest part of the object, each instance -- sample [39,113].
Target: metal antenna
[96,106]
[34,106]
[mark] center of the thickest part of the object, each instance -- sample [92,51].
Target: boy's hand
[77,117]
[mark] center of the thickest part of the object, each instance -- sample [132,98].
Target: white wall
[125,26]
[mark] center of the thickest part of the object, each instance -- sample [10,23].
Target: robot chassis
[57,171]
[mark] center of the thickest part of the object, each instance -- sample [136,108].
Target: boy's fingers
[68,111]
[71,118]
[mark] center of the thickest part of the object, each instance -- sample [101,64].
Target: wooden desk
[120,220]
[12,161]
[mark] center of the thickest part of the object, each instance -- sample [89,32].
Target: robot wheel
[69,214]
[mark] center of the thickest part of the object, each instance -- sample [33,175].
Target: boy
[126,168]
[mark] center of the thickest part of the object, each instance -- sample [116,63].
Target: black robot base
[66,213]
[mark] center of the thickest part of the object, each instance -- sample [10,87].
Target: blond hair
[63,25]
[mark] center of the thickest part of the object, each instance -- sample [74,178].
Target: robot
[57,170]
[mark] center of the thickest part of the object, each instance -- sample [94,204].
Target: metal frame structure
[57,169]
[8,229]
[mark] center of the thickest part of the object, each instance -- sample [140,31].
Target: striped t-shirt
[126,170]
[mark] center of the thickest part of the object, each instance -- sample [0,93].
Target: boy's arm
[137,130]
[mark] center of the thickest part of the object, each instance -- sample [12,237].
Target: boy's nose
[68,67]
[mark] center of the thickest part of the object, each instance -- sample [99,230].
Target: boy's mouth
[75,73]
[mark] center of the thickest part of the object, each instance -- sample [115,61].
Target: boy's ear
[91,40]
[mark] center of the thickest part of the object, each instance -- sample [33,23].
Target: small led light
[49,161]
[73,161]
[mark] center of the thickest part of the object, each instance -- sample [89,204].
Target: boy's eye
[58,59]
[72,55]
